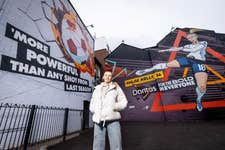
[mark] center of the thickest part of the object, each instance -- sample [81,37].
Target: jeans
[114,135]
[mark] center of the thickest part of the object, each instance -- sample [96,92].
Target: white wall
[30,17]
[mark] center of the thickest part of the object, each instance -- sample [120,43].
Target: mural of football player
[196,59]
[70,37]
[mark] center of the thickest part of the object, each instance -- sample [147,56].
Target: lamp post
[91,25]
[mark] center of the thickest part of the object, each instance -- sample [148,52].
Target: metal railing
[25,125]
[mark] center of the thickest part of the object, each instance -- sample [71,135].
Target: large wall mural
[71,37]
[182,78]
[46,54]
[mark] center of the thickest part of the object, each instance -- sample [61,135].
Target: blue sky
[142,23]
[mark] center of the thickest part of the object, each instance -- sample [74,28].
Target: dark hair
[107,71]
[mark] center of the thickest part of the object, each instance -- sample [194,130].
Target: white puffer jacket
[106,107]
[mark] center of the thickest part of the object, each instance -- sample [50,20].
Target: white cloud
[143,23]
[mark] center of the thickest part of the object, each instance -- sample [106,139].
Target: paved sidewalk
[159,136]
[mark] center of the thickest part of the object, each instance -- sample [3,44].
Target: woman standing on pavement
[107,101]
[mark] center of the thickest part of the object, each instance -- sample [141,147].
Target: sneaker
[199,106]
